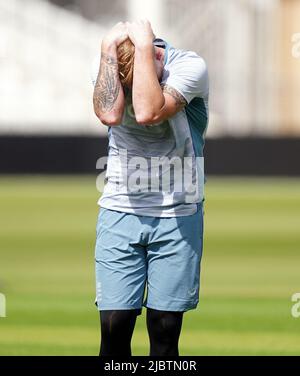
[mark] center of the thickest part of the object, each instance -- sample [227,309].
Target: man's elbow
[111,121]
[150,116]
[109,118]
[145,118]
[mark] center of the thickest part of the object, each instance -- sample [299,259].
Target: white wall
[45,59]
[46,54]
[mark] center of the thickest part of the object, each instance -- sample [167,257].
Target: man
[154,100]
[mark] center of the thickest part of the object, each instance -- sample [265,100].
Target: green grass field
[250,269]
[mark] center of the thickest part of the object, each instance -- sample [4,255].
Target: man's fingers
[129,25]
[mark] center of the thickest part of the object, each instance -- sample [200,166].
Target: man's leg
[116,331]
[174,254]
[164,329]
[120,268]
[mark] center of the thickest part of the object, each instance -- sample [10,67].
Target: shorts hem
[117,307]
[170,308]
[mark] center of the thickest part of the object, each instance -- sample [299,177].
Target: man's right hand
[117,35]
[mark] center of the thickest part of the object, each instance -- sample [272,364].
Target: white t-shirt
[158,170]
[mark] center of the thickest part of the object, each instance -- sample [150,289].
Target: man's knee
[116,331]
[164,330]
[113,322]
[164,324]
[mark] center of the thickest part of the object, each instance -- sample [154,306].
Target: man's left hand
[140,33]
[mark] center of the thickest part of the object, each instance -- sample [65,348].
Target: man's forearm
[108,95]
[147,96]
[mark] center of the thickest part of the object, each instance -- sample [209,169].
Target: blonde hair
[125,54]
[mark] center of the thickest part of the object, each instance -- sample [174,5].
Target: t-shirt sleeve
[188,75]
[95,68]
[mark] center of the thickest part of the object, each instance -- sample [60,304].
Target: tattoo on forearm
[180,100]
[107,86]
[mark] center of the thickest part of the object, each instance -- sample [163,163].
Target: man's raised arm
[152,103]
[147,96]
[108,98]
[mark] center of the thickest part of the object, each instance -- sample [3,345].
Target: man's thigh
[174,259]
[120,262]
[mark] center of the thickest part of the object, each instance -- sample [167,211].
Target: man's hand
[116,35]
[140,33]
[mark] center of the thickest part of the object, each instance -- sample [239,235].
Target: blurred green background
[250,269]
[251,260]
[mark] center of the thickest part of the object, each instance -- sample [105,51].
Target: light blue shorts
[148,261]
